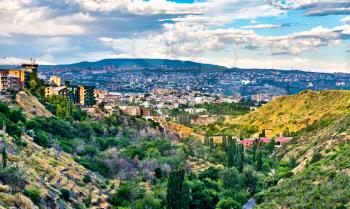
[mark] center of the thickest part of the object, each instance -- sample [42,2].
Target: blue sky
[283,34]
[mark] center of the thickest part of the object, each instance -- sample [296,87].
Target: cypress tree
[211,143]
[254,148]
[3,151]
[206,141]
[224,144]
[240,158]
[186,196]
[4,157]
[177,192]
[259,161]
[232,153]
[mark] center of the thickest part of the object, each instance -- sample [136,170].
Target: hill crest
[293,113]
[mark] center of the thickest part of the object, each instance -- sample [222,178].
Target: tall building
[86,95]
[30,71]
[55,80]
[81,95]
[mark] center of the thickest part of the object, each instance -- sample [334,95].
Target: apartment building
[9,80]
[55,80]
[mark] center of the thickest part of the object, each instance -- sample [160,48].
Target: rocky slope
[31,106]
[50,171]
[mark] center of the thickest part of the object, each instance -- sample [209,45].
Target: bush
[315,157]
[65,195]
[42,138]
[33,194]
[126,192]
[228,203]
[87,178]
[14,177]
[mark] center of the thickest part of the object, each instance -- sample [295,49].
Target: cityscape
[175,104]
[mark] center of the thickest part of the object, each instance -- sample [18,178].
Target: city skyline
[282,34]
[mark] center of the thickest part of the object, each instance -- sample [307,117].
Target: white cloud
[18,61]
[41,21]
[261,26]
[315,7]
[346,19]
[140,7]
[183,40]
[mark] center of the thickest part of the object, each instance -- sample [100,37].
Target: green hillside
[72,160]
[293,113]
[322,169]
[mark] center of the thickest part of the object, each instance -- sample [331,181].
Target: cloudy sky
[284,34]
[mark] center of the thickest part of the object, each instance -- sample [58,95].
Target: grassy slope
[296,112]
[319,184]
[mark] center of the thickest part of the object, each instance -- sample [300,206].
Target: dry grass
[296,112]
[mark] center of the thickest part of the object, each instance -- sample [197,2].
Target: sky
[312,35]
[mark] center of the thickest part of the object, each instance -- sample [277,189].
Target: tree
[4,109]
[211,143]
[240,157]
[224,143]
[271,145]
[4,157]
[228,203]
[259,161]
[206,141]
[3,151]
[178,191]
[231,153]
[262,134]
[250,179]
[230,178]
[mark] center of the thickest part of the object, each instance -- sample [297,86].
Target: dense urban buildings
[81,95]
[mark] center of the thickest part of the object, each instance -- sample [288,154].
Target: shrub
[228,203]
[65,195]
[315,157]
[87,178]
[33,194]
[14,177]
[42,138]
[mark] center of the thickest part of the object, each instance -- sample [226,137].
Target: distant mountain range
[165,64]
[149,64]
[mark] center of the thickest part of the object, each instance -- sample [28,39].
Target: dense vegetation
[137,165]
[138,153]
[324,184]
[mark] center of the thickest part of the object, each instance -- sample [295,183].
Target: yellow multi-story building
[81,95]
[55,80]
[52,90]
[20,74]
